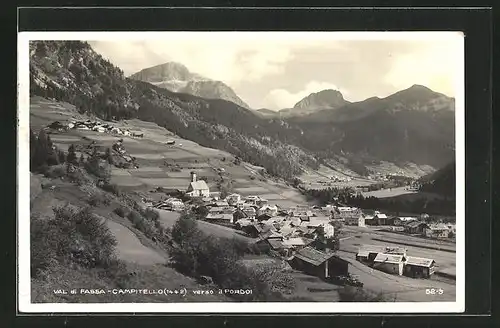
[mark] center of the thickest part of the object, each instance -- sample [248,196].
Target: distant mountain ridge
[412,126]
[177,78]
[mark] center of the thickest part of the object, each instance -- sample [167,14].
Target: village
[305,236]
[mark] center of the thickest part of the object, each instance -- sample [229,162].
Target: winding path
[130,249]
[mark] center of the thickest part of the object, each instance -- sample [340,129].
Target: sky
[276,70]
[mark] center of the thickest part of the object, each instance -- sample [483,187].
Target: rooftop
[419,261]
[439,226]
[199,185]
[403,218]
[414,224]
[389,258]
[313,256]
[297,241]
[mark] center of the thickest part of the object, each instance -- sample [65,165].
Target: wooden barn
[418,267]
[317,263]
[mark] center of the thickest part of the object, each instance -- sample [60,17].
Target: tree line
[348,196]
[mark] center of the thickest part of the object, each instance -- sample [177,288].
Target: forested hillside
[71,71]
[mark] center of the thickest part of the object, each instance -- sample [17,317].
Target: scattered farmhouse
[197,188]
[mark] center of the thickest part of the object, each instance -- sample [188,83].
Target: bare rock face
[177,78]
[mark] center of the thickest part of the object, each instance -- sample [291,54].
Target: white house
[328,229]
[344,212]
[233,199]
[197,188]
[390,263]
[437,231]
[175,203]
[271,210]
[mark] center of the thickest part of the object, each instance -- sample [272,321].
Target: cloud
[275,70]
[281,98]
[230,62]
[436,67]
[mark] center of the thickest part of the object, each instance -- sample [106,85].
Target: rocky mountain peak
[177,78]
[322,100]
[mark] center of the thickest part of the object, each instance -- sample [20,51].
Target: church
[197,188]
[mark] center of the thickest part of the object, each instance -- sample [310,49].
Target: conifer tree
[71,155]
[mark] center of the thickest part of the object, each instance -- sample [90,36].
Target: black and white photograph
[241,171]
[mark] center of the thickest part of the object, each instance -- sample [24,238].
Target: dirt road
[130,249]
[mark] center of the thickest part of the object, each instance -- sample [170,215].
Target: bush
[98,168]
[120,211]
[134,217]
[78,176]
[94,200]
[54,172]
[112,188]
[151,214]
[72,236]
[106,200]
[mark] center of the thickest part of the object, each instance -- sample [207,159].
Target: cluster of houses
[301,234]
[394,260]
[102,128]
[410,225]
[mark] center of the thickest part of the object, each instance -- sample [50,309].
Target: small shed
[390,263]
[419,267]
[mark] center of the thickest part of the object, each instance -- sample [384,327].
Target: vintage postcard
[241,172]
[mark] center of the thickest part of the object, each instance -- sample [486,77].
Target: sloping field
[251,190]
[166,183]
[120,172]
[130,249]
[126,181]
[149,175]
